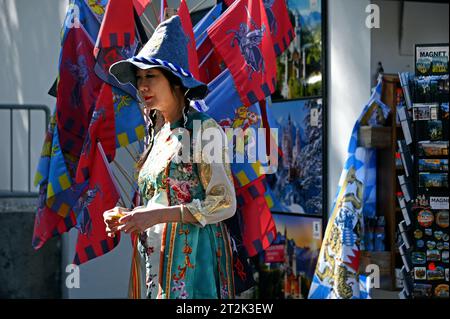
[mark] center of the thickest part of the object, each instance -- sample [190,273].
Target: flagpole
[154,11]
[123,190]
[131,154]
[148,21]
[105,160]
[161,19]
[134,149]
[124,173]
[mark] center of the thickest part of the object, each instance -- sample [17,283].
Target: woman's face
[156,91]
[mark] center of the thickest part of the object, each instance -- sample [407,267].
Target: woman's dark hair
[174,82]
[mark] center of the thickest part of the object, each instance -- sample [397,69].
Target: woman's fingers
[127,228]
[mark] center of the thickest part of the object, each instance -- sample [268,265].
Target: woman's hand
[140,219]
[111,218]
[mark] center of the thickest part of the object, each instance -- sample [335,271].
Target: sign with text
[275,254]
[431,59]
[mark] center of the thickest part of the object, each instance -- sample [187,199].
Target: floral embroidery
[150,250]
[187,250]
[180,285]
[181,189]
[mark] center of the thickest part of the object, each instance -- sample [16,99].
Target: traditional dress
[187,260]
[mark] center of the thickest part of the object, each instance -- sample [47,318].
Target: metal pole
[29,150]
[11,147]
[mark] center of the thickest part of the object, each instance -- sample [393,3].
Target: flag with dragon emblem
[337,270]
[241,36]
[102,194]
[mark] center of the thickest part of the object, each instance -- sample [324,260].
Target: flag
[128,121]
[78,86]
[201,26]
[102,194]
[54,214]
[183,13]
[241,36]
[117,40]
[77,93]
[337,270]
[140,6]
[280,24]
[259,228]
[210,63]
[48,223]
[117,28]
[101,128]
[130,124]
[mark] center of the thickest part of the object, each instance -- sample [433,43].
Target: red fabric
[96,242]
[117,29]
[77,91]
[183,13]
[228,2]
[48,224]
[101,129]
[280,25]
[210,62]
[242,38]
[140,6]
[259,227]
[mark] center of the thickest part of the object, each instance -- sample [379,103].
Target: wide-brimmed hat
[167,49]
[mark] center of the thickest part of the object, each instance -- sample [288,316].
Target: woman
[183,240]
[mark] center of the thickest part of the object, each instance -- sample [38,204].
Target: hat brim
[125,72]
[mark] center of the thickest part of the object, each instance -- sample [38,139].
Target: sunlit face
[156,91]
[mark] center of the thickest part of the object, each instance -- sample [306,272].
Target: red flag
[78,88]
[210,62]
[280,24]
[183,13]
[117,29]
[259,229]
[102,194]
[48,224]
[140,6]
[101,128]
[228,2]
[242,38]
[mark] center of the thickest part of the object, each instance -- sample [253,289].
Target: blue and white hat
[167,49]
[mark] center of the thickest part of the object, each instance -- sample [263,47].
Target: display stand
[423,231]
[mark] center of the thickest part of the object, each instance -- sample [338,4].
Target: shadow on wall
[30,34]
[29,57]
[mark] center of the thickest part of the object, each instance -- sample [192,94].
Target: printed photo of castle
[297,248]
[299,69]
[297,184]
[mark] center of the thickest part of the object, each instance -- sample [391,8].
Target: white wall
[348,79]
[423,23]
[29,50]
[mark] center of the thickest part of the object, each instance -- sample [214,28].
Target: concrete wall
[25,273]
[348,79]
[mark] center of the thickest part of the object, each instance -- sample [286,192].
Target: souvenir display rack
[422,181]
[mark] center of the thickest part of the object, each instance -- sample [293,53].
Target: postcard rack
[422,153]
